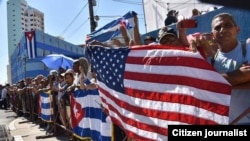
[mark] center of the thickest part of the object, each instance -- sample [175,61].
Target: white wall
[156,10]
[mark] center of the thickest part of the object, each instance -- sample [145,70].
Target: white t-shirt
[4,94]
[77,79]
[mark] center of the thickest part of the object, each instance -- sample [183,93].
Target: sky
[69,19]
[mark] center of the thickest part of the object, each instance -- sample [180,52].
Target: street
[7,116]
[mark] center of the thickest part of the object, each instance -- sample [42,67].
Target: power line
[73,20]
[129,2]
[77,29]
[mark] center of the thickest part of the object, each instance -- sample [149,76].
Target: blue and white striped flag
[46,112]
[31,45]
[88,118]
[112,29]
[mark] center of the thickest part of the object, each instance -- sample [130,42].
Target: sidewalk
[21,129]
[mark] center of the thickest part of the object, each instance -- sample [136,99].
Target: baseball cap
[53,72]
[68,71]
[166,31]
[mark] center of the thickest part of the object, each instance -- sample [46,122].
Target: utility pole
[24,65]
[91,16]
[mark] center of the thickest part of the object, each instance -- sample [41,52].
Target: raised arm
[137,36]
[182,33]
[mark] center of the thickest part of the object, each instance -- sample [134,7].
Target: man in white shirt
[231,60]
[4,96]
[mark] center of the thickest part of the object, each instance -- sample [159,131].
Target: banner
[146,88]
[88,117]
[112,29]
[31,45]
[46,111]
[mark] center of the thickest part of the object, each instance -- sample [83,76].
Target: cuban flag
[31,45]
[46,111]
[146,88]
[112,29]
[88,118]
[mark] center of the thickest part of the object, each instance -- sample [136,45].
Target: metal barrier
[31,108]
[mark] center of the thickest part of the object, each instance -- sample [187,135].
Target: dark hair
[71,74]
[150,38]
[173,12]
[224,15]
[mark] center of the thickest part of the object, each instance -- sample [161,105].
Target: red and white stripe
[166,87]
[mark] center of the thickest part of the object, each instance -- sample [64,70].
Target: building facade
[23,66]
[21,18]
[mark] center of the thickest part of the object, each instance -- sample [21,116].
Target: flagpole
[144,16]
[24,65]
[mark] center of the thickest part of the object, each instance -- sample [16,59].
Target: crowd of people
[225,52]
[23,97]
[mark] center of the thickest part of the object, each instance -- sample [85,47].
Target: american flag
[146,88]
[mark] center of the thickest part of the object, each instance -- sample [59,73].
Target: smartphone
[190,23]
